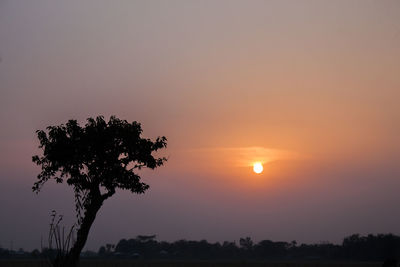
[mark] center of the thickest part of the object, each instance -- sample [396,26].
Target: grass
[137,263]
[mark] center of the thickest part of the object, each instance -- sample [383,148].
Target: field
[135,263]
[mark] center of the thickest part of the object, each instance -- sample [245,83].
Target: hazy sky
[310,88]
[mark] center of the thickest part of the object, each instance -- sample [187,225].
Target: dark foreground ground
[136,263]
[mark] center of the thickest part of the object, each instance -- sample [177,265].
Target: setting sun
[258,167]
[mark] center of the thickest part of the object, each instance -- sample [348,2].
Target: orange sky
[312,87]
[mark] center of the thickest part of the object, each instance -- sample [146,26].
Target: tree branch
[108,194]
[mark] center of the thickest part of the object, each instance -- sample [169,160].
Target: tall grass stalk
[60,241]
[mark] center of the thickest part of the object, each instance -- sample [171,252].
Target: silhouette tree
[246,243]
[95,160]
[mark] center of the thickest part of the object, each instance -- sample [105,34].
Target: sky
[309,88]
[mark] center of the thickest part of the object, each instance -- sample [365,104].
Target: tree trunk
[72,258]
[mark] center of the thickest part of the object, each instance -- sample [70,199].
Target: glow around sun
[258,167]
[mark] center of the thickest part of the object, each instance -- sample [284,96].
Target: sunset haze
[310,89]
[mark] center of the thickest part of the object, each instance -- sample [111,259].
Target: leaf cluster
[98,157]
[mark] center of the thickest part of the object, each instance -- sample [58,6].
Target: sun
[258,167]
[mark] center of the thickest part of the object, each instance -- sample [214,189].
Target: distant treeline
[355,247]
